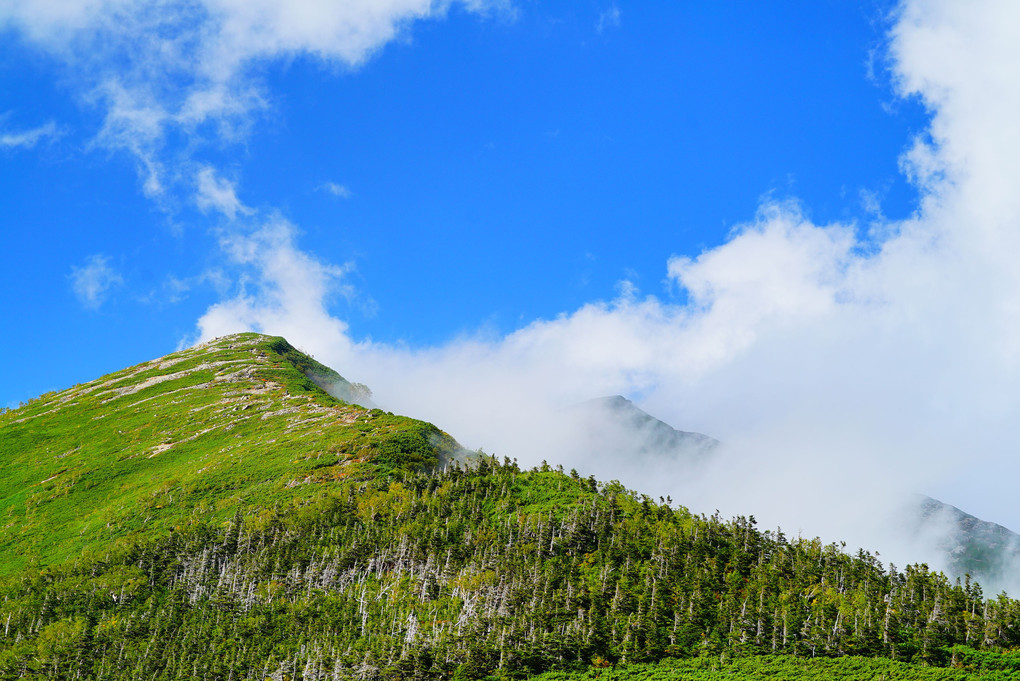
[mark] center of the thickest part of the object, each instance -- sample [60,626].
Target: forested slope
[216,515]
[474,573]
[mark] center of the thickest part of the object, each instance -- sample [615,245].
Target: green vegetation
[468,573]
[236,423]
[326,541]
[786,668]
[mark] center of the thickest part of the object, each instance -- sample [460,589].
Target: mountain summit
[238,422]
[615,426]
[984,550]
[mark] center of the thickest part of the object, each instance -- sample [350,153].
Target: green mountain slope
[215,514]
[237,423]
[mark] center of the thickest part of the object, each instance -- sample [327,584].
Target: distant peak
[611,401]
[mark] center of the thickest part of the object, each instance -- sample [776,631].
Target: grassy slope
[228,425]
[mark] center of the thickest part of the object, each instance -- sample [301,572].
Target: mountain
[216,514]
[614,427]
[988,552]
[239,422]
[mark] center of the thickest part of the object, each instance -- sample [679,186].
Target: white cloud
[92,281]
[336,189]
[283,290]
[175,289]
[608,18]
[191,65]
[29,138]
[842,371]
[218,194]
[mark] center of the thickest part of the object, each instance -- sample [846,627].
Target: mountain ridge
[979,548]
[646,434]
[240,419]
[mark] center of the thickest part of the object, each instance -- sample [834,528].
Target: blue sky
[792,226]
[496,169]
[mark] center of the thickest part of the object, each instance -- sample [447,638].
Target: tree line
[486,571]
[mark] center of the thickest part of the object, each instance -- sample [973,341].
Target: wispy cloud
[336,189]
[219,194]
[280,289]
[29,138]
[193,66]
[175,289]
[608,18]
[93,281]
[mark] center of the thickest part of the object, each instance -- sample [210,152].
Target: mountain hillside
[986,551]
[614,427]
[238,422]
[216,514]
